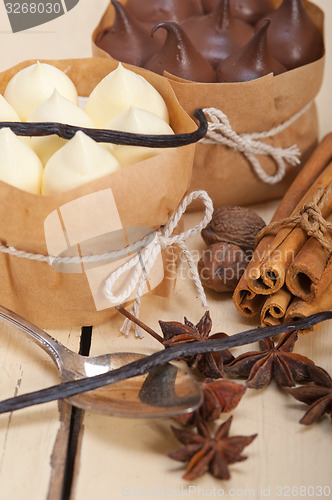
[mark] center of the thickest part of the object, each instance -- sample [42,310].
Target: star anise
[272,361]
[220,396]
[205,452]
[210,364]
[317,395]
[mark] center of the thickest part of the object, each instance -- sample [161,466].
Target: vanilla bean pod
[40,129]
[146,364]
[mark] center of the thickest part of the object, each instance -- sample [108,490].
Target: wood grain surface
[113,458]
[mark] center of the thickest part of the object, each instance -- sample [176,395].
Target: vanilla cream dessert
[138,121]
[19,165]
[7,112]
[79,161]
[55,109]
[120,89]
[36,83]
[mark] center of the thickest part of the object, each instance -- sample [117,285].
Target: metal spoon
[165,391]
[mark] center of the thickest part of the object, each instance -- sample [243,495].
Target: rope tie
[143,262]
[250,145]
[309,219]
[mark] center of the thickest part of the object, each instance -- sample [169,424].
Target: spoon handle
[55,349]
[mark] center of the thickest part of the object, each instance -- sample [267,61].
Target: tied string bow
[144,260]
[250,145]
[309,219]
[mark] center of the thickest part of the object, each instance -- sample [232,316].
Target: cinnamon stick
[269,276]
[247,302]
[308,277]
[275,307]
[299,309]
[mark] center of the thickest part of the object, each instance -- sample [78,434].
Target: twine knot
[151,245]
[221,132]
[309,218]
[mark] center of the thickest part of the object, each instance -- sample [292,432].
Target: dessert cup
[145,194]
[251,107]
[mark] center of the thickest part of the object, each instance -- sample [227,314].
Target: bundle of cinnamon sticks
[290,274]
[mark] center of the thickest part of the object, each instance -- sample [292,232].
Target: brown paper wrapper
[146,194]
[251,107]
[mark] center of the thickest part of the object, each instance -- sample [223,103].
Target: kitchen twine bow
[143,262]
[148,249]
[221,132]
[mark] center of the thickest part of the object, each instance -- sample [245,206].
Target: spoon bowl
[164,391]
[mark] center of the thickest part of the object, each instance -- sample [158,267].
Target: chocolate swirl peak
[179,57]
[218,34]
[128,40]
[293,37]
[252,61]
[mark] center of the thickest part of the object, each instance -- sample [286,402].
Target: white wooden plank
[118,455]
[27,437]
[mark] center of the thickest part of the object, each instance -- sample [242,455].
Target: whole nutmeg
[232,224]
[221,266]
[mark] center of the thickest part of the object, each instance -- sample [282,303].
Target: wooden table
[49,452]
